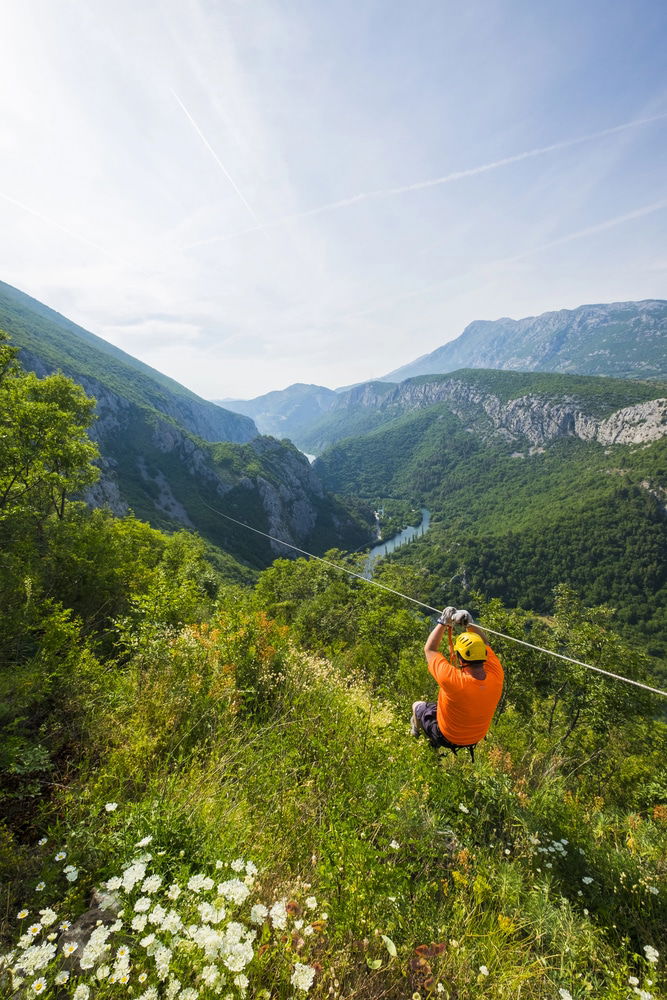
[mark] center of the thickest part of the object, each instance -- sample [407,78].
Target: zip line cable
[428,607]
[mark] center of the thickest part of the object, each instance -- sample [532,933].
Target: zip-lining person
[469,688]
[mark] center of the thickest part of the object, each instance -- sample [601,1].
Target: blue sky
[239,194]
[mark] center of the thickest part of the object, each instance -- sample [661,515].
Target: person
[469,690]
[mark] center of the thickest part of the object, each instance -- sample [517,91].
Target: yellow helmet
[471,646]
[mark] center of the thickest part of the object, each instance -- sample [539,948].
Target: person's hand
[447,616]
[462,618]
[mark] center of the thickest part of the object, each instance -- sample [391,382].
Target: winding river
[391,544]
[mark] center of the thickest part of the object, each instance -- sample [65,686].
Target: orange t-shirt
[466,705]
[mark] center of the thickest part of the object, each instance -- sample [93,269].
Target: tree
[46,455]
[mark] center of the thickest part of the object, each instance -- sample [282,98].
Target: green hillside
[373,404]
[513,520]
[228,772]
[55,343]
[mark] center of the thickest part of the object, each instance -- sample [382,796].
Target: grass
[228,741]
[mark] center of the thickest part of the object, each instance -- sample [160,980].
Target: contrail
[617,220]
[437,181]
[64,229]
[219,162]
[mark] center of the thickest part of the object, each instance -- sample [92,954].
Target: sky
[245,194]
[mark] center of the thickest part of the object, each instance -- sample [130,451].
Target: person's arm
[480,632]
[433,643]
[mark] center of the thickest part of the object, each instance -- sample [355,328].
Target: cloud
[450,178]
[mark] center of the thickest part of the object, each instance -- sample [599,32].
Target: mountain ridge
[559,341]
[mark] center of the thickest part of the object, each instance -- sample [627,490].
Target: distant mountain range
[174,458]
[619,339]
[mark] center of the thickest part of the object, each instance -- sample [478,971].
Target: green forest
[226,762]
[514,522]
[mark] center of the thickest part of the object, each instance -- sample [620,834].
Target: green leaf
[389,945]
[373,963]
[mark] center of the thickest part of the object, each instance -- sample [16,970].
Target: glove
[462,618]
[446,616]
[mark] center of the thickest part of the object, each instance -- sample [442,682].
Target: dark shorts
[427,716]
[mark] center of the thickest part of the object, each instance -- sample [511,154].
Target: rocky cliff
[537,418]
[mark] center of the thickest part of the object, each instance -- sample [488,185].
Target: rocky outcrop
[536,418]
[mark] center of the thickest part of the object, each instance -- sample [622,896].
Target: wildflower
[311,903]
[302,977]
[172,922]
[124,978]
[218,865]
[238,865]
[174,891]
[587,880]
[40,887]
[652,889]
[564,994]
[453,942]
[123,952]
[82,992]
[34,929]
[71,873]
[39,985]
[61,855]
[150,994]
[173,987]
[51,937]
[61,978]
[278,915]
[633,981]
[483,969]
[22,914]
[199,882]
[147,941]
[111,807]
[157,915]
[651,954]
[48,917]
[151,884]
[139,922]
[464,809]
[210,974]
[145,842]
[187,994]
[70,948]
[234,890]
[258,914]
[133,874]
[242,982]
[440,988]
[142,977]
[251,869]
[103,972]
[114,883]
[394,845]
[44,840]
[142,904]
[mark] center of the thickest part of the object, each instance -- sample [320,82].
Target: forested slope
[513,515]
[229,770]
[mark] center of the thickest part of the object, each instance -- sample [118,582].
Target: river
[391,544]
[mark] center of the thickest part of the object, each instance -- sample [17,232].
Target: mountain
[372,404]
[285,412]
[623,339]
[532,480]
[50,342]
[177,460]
